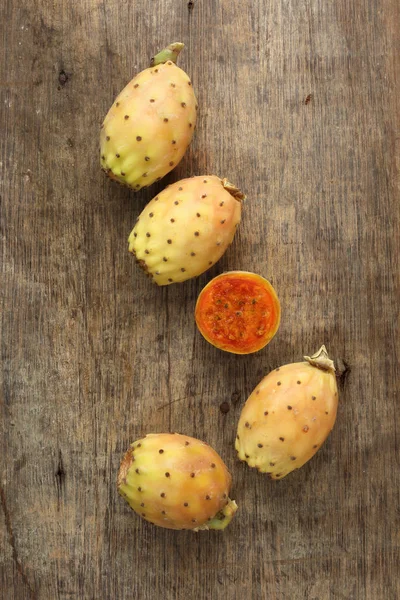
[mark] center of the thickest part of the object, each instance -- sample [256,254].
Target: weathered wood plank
[299,106]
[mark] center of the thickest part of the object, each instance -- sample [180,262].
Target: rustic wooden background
[299,107]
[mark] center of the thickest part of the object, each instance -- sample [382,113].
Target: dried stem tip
[321,360]
[171,52]
[233,190]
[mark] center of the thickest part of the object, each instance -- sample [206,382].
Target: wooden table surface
[299,107]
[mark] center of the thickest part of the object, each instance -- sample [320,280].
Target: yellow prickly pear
[288,416]
[177,482]
[150,124]
[186,228]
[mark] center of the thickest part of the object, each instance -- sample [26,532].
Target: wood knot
[63,77]
[224,408]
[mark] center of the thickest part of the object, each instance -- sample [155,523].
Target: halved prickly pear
[238,312]
[177,482]
[288,416]
[150,124]
[186,228]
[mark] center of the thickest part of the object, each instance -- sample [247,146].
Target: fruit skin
[176,482]
[288,416]
[150,124]
[238,312]
[186,228]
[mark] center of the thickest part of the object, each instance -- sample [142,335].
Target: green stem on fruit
[171,52]
[233,190]
[321,360]
[222,518]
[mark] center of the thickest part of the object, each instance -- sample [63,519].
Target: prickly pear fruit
[288,416]
[186,228]
[150,124]
[238,312]
[177,482]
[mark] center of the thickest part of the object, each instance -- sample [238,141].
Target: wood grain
[299,106]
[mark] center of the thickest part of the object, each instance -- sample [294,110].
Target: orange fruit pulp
[238,312]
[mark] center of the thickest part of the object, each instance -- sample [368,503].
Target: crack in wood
[11,541]
[167,404]
[60,478]
[169,391]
